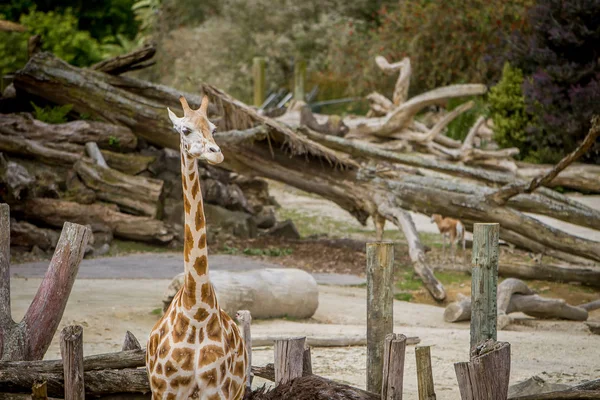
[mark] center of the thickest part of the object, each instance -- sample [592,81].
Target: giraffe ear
[174,118]
[204,106]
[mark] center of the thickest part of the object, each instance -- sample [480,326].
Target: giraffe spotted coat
[195,350]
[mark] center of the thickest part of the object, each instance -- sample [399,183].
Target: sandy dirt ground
[561,352]
[558,351]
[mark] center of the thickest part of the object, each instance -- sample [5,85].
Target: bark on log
[130,342]
[131,61]
[54,212]
[92,150]
[583,177]
[14,178]
[129,163]
[107,136]
[133,194]
[552,272]
[27,235]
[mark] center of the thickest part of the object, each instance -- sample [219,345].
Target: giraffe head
[436,218]
[196,132]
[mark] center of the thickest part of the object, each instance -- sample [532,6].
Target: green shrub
[459,128]
[52,114]
[60,36]
[507,109]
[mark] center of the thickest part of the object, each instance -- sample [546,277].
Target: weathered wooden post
[244,317]
[393,367]
[424,373]
[130,342]
[299,78]
[380,322]
[484,283]
[289,359]
[258,75]
[307,361]
[486,375]
[71,350]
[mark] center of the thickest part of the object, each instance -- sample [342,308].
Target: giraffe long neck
[195,252]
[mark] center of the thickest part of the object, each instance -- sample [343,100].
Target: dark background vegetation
[540,58]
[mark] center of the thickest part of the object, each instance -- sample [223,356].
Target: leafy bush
[447,42]
[59,35]
[459,128]
[559,58]
[507,109]
[52,114]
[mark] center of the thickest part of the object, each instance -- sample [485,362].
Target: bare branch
[511,190]
[8,26]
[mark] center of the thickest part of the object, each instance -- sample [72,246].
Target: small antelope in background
[452,229]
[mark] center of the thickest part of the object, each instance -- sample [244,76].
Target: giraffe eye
[185,130]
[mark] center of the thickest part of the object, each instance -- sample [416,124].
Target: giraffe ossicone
[196,350]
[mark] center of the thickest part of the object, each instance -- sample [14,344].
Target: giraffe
[195,350]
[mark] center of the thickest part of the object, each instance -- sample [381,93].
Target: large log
[27,235]
[54,212]
[107,136]
[266,293]
[133,194]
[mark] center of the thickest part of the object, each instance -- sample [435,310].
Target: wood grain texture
[71,350]
[484,282]
[380,262]
[289,355]
[424,373]
[393,367]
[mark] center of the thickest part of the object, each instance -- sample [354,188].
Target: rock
[102,250]
[594,327]
[265,218]
[222,221]
[27,235]
[285,229]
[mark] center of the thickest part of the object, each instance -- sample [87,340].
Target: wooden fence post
[393,367]
[71,350]
[289,359]
[424,373]
[258,75]
[299,78]
[307,361]
[39,391]
[380,321]
[484,283]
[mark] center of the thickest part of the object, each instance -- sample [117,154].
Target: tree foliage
[507,109]
[560,57]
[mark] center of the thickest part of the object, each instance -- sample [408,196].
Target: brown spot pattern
[184,182]
[180,328]
[165,347]
[180,381]
[226,387]
[170,368]
[201,314]
[189,300]
[192,335]
[184,357]
[213,328]
[159,368]
[195,188]
[188,243]
[238,370]
[186,204]
[201,335]
[208,295]
[158,387]
[210,378]
[214,397]
[199,218]
[202,241]
[171,396]
[222,370]
[209,354]
[201,264]
[192,176]
[153,345]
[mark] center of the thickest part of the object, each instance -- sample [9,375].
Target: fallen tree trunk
[131,61]
[28,235]
[107,136]
[133,194]
[584,177]
[515,296]
[54,212]
[552,272]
